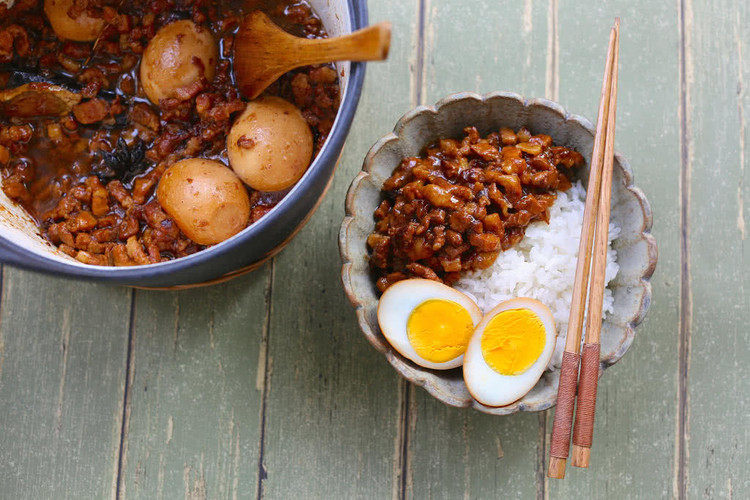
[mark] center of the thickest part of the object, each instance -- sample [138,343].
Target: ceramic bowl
[22,246]
[636,248]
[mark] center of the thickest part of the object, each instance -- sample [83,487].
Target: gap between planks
[2,308]
[741,112]
[265,363]
[541,457]
[552,85]
[686,295]
[402,459]
[119,487]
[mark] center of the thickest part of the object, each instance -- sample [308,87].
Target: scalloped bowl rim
[429,378]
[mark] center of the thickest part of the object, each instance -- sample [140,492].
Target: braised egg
[81,28]
[206,200]
[177,56]
[270,144]
[428,322]
[509,351]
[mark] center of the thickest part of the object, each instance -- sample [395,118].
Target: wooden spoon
[263,51]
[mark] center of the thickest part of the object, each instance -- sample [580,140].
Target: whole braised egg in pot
[208,202]
[179,56]
[270,144]
[81,28]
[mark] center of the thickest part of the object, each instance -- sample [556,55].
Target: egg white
[397,304]
[492,388]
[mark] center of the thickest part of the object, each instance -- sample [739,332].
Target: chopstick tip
[581,456]
[556,468]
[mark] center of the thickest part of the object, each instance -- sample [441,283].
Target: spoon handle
[368,44]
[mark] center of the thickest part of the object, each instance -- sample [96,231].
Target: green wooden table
[264,387]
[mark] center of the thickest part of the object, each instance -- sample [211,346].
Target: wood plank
[333,402]
[634,439]
[63,348]
[193,404]
[501,49]
[458,453]
[718,418]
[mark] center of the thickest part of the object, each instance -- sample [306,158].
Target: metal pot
[22,246]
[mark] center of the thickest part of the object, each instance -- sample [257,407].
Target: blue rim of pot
[157,274]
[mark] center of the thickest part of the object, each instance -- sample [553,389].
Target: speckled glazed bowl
[636,248]
[22,246]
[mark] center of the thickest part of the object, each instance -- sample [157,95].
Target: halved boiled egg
[428,322]
[509,351]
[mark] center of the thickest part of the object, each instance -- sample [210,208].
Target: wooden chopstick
[583,429]
[560,440]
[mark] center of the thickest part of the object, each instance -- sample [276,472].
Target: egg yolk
[512,341]
[439,330]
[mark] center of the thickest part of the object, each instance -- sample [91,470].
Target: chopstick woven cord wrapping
[583,429]
[560,444]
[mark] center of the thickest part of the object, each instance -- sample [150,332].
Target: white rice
[542,266]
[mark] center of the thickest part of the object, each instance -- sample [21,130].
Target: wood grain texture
[264,386]
[457,453]
[718,406]
[63,348]
[502,48]
[332,409]
[633,451]
[193,416]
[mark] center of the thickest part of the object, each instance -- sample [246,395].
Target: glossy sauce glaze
[458,205]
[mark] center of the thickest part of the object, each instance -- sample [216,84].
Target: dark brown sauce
[56,169]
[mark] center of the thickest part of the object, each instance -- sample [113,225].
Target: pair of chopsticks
[592,253]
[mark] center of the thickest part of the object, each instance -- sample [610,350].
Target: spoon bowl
[263,51]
